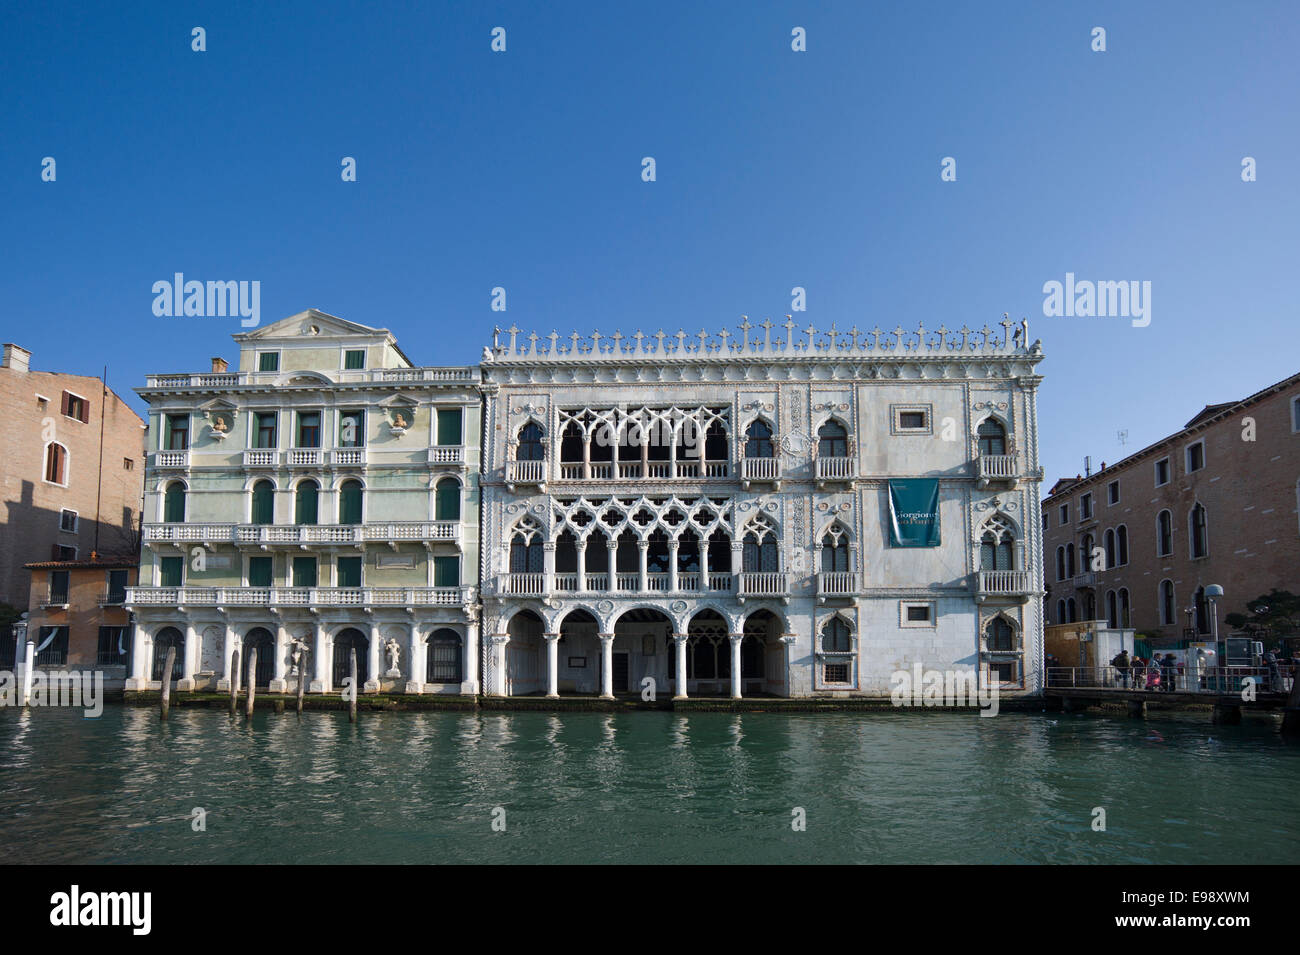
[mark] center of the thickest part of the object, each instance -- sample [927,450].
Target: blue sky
[775,169]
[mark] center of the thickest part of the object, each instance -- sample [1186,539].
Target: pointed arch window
[837,636]
[992,437]
[997,545]
[1000,636]
[835,550]
[531,447]
[760,554]
[832,440]
[1164,534]
[526,549]
[758,440]
[1167,612]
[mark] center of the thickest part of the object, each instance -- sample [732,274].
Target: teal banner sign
[914,513]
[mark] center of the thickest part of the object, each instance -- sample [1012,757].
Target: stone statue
[394,650]
[297,648]
[399,420]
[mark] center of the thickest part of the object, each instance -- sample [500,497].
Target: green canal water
[654,787]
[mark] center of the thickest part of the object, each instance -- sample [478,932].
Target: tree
[1271,618]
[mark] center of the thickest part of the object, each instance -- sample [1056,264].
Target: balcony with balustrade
[347,457]
[288,597]
[760,471]
[836,470]
[467,375]
[526,473]
[836,584]
[533,584]
[1005,583]
[996,469]
[169,460]
[447,455]
[682,470]
[266,535]
[765,585]
[261,458]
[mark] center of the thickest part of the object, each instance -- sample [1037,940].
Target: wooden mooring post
[234,682]
[352,699]
[302,679]
[167,683]
[252,682]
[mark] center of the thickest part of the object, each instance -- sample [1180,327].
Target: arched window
[1085,551]
[1167,612]
[997,545]
[1202,605]
[1125,615]
[168,637]
[1112,610]
[1069,560]
[716,447]
[571,443]
[443,658]
[992,437]
[349,502]
[1164,534]
[1199,541]
[760,554]
[1060,612]
[446,505]
[263,503]
[832,440]
[835,550]
[526,548]
[307,503]
[1121,544]
[530,443]
[758,440]
[56,463]
[837,636]
[1110,550]
[174,503]
[1000,636]
[259,639]
[1060,563]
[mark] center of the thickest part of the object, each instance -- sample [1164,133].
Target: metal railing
[1180,678]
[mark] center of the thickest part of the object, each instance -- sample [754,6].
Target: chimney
[219,365]
[16,357]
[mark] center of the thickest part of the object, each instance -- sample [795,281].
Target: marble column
[415,671]
[373,661]
[189,655]
[321,661]
[672,565]
[736,640]
[679,685]
[470,652]
[497,648]
[139,663]
[787,644]
[227,650]
[548,568]
[606,666]
[280,649]
[552,665]
[643,553]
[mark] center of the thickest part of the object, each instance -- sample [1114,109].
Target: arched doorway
[761,654]
[346,641]
[708,654]
[639,651]
[166,638]
[578,654]
[443,659]
[260,639]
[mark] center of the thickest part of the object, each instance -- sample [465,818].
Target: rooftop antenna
[1123,437]
[1087,465]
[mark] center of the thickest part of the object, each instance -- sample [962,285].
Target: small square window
[268,361]
[911,419]
[916,613]
[1195,457]
[1112,492]
[68,521]
[354,358]
[1162,472]
[67,553]
[128,464]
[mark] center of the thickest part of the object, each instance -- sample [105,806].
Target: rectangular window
[264,425]
[68,521]
[911,421]
[1045,520]
[446,571]
[260,571]
[1112,492]
[304,571]
[349,572]
[178,432]
[54,640]
[1295,414]
[66,553]
[1195,457]
[916,614]
[1065,513]
[1162,472]
[58,586]
[75,406]
[352,428]
[836,673]
[128,464]
[112,646]
[309,429]
[1085,507]
[268,361]
[449,426]
[117,580]
[171,572]
[354,358]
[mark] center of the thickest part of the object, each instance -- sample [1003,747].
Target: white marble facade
[711,512]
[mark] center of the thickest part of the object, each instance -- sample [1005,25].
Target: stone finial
[744,327]
[766,325]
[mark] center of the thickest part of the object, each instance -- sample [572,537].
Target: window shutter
[63,408]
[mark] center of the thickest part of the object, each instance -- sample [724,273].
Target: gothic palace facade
[780,511]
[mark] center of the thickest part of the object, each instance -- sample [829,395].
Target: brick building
[71,471]
[1216,502]
[77,618]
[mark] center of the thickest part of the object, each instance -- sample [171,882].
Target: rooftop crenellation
[767,339]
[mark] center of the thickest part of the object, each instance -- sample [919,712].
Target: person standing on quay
[1121,663]
[1168,678]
